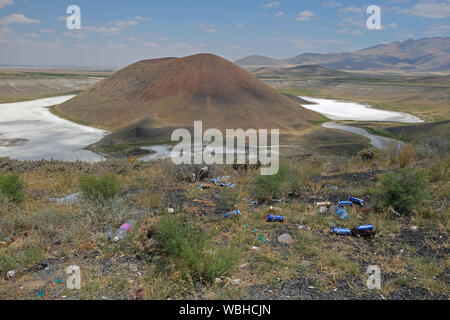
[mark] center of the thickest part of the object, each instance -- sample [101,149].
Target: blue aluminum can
[341,231]
[275,218]
[356,201]
[368,227]
[345,203]
[232,213]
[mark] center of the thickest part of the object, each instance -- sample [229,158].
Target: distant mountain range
[423,55]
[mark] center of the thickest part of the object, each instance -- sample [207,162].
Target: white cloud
[123,23]
[351,10]
[278,14]
[438,30]
[17,18]
[31,35]
[331,4]
[349,31]
[430,9]
[393,25]
[113,27]
[74,34]
[207,27]
[143,19]
[115,45]
[4,3]
[103,29]
[272,4]
[317,44]
[305,15]
[150,44]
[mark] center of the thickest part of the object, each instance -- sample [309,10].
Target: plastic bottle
[108,232]
[123,230]
[340,212]
[272,218]
[232,213]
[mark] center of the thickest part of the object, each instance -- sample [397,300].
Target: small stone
[323,210]
[285,239]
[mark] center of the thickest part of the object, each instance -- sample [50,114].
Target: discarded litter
[232,214]
[357,201]
[333,187]
[345,203]
[341,213]
[254,202]
[123,230]
[271,218]
[364,231]
[223,182]
[303,227]
[138,295]
[59,281]
[40,294]
[108,232]
[413,228]
[322,210]
[170,210]
[274,209]
[67,200]
[255,248]
[341,231]
[285,239]
[263,239]
[245,226]
[324,204]
[11,274]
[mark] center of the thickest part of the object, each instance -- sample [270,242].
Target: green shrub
[193,249]
[228,198]
[13,187]
[272,186]
[99,188]
[11,259]
[402,190]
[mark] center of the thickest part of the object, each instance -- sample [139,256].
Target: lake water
[347,110]
[377,141]
[42,135]
[29,131]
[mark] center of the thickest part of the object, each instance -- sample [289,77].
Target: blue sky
[116,33]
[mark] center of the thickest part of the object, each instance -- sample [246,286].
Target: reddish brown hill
[173,92]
